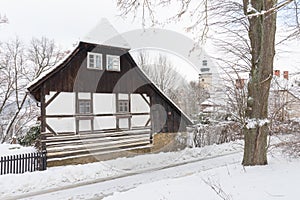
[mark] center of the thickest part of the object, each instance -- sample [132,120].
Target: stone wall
[164,142]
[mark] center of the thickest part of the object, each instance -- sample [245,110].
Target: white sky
[66,21]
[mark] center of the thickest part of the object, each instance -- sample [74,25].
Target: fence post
[1,165]
[43,160]
[23,163]
[10,160]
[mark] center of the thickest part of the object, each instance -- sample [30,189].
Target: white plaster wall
[140,120]
[64,103]
[138,104]
[104,103]
[123,96]
[123,123]
[85,125]
[104,123]
[84,95]
[62,124]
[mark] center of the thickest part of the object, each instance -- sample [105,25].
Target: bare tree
[161,71]
[255,21]
[3,19]
[19,66]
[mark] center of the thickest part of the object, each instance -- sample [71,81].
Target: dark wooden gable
[74,76]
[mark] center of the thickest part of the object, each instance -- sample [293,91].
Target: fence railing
[17,164]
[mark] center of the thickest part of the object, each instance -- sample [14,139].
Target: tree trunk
[262,30]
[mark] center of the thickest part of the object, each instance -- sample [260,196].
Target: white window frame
[94,57]
[118,64]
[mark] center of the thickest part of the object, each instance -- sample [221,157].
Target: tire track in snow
[43,193]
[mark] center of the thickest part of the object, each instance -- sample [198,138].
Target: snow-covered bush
[29,139]
[290,146]
[215,133]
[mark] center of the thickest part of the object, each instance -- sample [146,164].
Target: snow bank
[13,149]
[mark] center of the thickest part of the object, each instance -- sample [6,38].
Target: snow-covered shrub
[215,133]
[30,137]
[290,146]
[285,127]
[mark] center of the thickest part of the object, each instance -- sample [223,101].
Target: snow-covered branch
[252,12]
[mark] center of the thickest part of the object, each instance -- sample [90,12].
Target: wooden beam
[92,111]
[98,115]
[117,110]
[50,129]
[147,123]
[43,110]
[145,99]
[52,98]
[129,110]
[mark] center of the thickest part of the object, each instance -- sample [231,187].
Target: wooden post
[117,110]
[43,110]
[92,112]
[129,110]
[76,113]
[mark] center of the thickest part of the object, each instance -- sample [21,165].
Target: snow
[278,180]
[56,177]
[13,149]
[253,123]
[146,177]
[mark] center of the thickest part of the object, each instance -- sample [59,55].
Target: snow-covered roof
[104,33]
[45,73]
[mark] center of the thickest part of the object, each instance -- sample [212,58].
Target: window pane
[98,62]
[91,61]
[113,63]
[123,106]
[84,107]
[94,60]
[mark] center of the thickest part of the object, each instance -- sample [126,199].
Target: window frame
[126,105]
[94,57]
[113,57]
[204,63]
[85,101]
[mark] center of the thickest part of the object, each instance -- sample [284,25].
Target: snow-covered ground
[56,177]
[13,149]
[278,180]
[207,177]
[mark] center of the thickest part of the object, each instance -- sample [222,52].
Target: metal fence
[17,164]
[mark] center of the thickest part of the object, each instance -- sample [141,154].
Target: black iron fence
[17,164]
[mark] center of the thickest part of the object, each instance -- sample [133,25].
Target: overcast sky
[67,21]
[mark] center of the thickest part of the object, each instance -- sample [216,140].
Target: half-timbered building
[98,100]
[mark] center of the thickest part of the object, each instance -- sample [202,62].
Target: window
[204,63]
[123,106]
[204,69]
[113,63]
[84,106]
[94,61]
